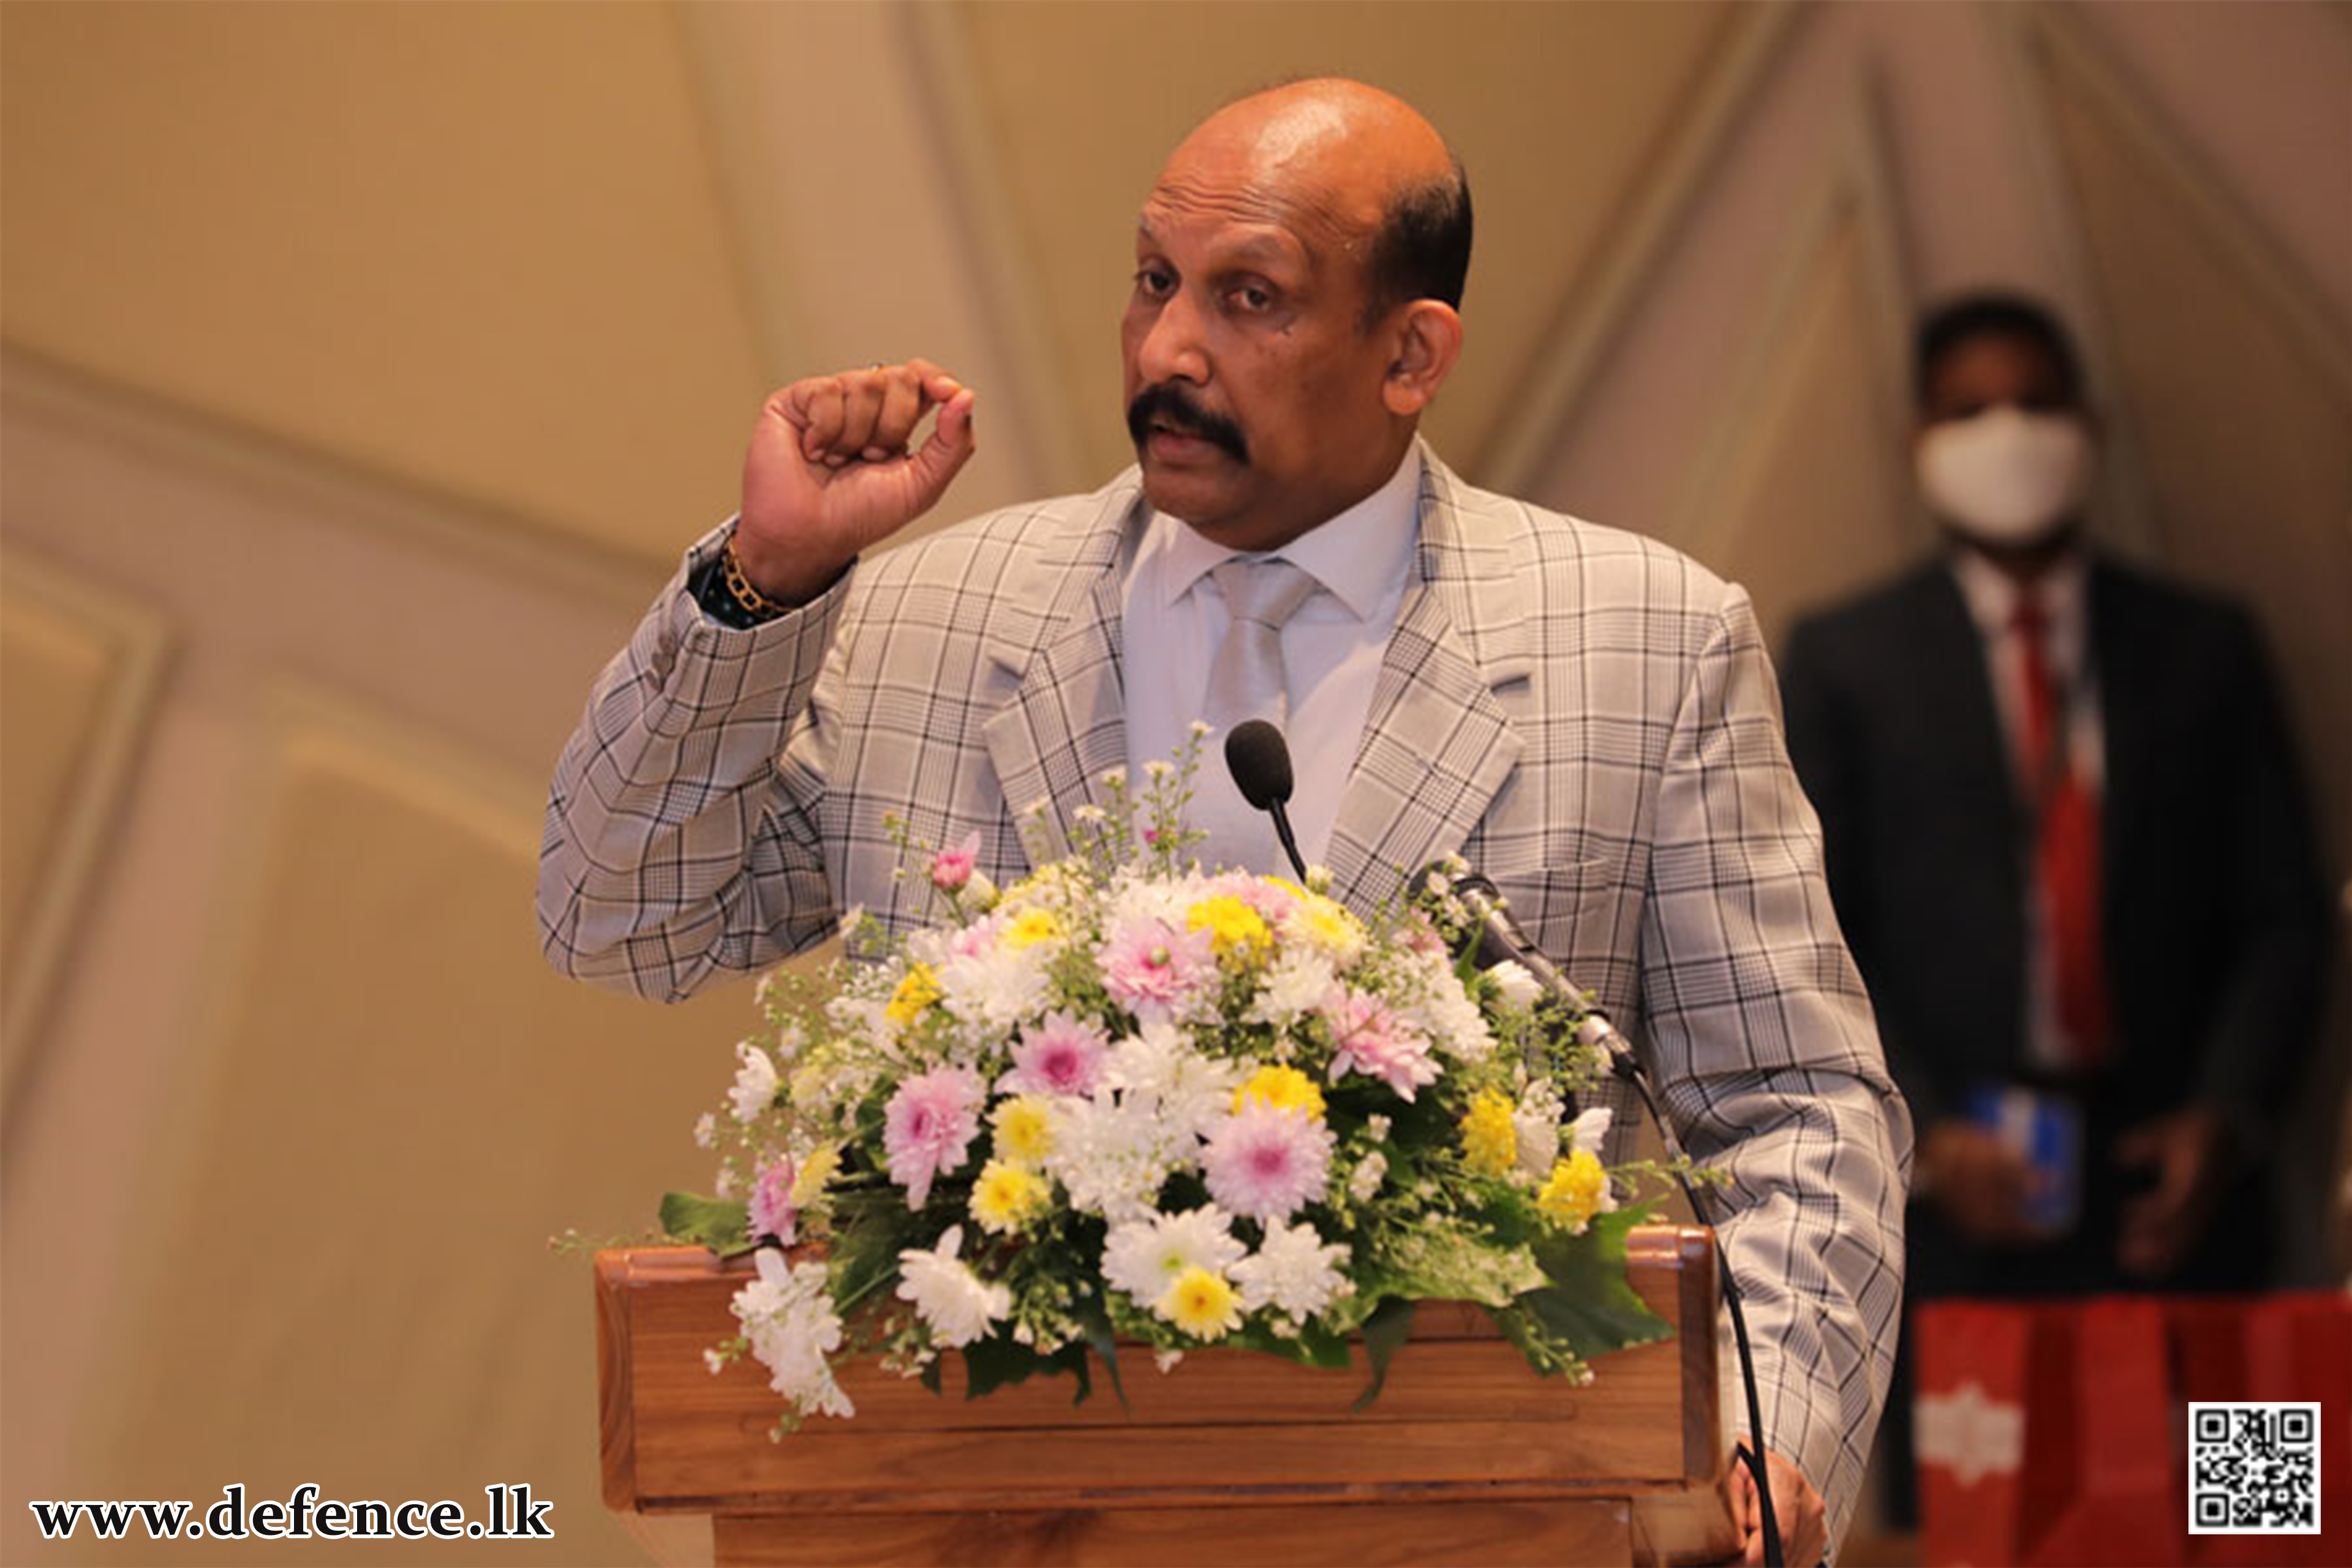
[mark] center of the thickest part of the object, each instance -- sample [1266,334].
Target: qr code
[2253,1468]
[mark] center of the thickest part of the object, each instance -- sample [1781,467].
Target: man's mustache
[1170,406]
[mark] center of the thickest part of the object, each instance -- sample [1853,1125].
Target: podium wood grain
[1234,1458]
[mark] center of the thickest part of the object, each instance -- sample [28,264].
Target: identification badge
[2045,1131]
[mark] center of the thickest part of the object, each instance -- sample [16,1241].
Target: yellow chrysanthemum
[918,991]
[1577,1189]
[1007,1197]
[1231,925]
[1201,1304]
[1025,1130]
[1285,1089]
[1328,928]
[814,1173]
[1029,928]
[1490,1143]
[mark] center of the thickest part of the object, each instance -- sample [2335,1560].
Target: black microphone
[1501,937]
[1259,760]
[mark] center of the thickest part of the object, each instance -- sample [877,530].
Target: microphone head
[1259,760]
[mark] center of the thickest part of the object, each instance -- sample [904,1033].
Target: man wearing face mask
[2065,837]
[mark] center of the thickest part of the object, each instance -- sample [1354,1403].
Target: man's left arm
[1762,1041]
[2274,897]
[2268,903]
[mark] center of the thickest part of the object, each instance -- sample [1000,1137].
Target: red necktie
[2065,851]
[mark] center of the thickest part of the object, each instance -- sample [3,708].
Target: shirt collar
[1992,595]
[1357,554]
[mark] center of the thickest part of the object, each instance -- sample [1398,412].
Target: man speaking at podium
[1587,717]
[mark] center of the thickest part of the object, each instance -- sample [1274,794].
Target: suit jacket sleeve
[2265,1001]
[682,825]
[1825,749]
[1765,1050]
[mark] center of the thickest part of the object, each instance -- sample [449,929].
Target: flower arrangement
[1128,1098]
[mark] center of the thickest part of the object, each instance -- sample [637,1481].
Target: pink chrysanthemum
[929,1127]
[952,869]
[1366,1037]
[977,940]
[1421,936]
[1265,1161]
[1060,1055]
[1269,901]
[774,1211]
[1150,963]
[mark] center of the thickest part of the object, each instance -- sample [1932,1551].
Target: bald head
[1292,315]
[1357,164]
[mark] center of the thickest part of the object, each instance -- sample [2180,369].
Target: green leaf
[1440,1261]
[723,1224]
[1313,1346]
[1385,1332]
[1105,1344]
[870,1229]
[994,1363]
[1071,1359]
[1588,1304]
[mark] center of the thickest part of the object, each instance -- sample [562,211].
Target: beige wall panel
[1809,502]
[480,246]
[1557,111]
[346,1278]
[2244,420]
[77,671]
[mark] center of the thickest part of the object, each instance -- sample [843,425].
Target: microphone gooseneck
[1259,760]
[1500,937]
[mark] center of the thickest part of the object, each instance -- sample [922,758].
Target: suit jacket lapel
[1950,681]
[1437,745]
[1065,725]
[2129,715]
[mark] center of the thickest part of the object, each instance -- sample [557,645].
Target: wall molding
[135,644]
[938,51]
[2045,51]
[1855,186]
[1568,356]
[470,532]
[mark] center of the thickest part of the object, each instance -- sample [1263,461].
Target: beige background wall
[364,368]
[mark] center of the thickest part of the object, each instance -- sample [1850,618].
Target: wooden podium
[1233,1459]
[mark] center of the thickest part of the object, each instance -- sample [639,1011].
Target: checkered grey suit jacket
[1586,716]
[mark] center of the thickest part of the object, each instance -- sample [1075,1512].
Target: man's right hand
[1979,1182]
[828,472]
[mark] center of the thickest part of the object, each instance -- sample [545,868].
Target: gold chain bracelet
[755,602]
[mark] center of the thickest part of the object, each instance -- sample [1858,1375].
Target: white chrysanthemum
[956,1303]
[1135,901]
[1520,987]
[1442,1010]
[787,1314]
[1590,1130]
[755,1081]
[1193,1091]
[1292,1270]
[1535,1123]
[1143,1258]
[1112,1153]
[1295,983]
[996,989]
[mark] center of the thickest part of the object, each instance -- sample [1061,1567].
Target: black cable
[1624,1065]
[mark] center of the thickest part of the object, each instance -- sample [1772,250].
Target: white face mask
[2006,477]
